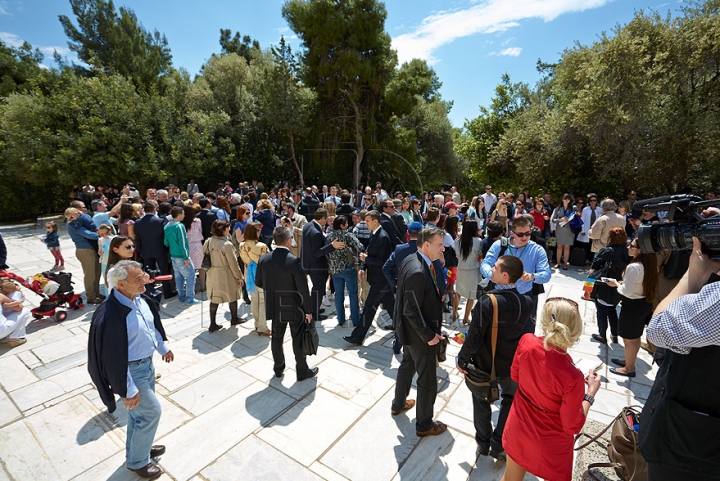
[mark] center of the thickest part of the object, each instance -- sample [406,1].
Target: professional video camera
[684,221]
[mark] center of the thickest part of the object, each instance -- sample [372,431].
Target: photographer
[680,427]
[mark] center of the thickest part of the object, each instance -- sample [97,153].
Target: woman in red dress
[550,405]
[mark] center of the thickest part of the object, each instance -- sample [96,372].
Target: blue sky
[470,43]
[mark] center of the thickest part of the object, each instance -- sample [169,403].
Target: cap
[415,227]
[451,205]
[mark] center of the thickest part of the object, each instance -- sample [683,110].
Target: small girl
[105,233]
[52,241]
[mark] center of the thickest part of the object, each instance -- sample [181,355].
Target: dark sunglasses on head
[522,234]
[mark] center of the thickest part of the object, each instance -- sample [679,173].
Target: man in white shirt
[192,188]
[600,229]
[489,198]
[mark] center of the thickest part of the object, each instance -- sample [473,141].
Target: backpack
[488,284]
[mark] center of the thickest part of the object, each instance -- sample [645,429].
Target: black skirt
[635,314]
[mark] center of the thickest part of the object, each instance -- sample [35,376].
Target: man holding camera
[680,428]
[514,311]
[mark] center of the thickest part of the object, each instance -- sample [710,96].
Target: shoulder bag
[623,450]
[487,383]
[207,261]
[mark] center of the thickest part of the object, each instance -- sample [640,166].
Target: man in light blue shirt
[533,257]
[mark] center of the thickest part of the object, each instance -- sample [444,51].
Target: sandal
[16,342]
[267,333]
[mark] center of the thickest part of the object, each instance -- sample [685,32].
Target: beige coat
[223,276]
[251,251]
[299,222]
[601,229]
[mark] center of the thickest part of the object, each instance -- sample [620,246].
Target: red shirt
[539,218]
[546,412]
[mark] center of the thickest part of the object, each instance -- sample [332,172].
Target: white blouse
[632,286]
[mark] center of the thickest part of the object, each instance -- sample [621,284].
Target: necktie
[434,275]
[593,216]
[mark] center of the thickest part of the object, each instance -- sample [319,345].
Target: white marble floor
[226,417]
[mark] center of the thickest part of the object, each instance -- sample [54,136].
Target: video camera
[684,222]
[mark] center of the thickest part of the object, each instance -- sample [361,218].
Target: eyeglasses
[129,248]
[522,234]
[632,246]
[562,299]
[593,200]
[368,198]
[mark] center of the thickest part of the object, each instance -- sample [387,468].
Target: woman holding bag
[609,262]
[224,278]
[250,251]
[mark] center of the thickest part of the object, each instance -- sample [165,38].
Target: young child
[12,291]
[52,241]
[105,233]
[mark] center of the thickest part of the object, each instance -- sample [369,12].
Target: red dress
[546,411]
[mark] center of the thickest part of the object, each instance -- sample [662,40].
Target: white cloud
[49,51]
[484,16]
[10,39]
[511,52]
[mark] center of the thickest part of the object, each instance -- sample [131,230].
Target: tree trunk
[294,158]
[360,150]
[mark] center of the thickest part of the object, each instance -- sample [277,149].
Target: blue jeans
[184,279]
[606,314]
[347,278]
[143,420]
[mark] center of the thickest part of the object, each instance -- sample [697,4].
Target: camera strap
[494,335]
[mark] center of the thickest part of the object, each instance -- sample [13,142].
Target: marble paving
[225,415]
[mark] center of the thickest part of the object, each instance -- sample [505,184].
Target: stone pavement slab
[225,414]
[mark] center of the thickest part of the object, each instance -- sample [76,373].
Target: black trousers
[485,435]
[276,346]
[318,279]
[161,263]
[422,362]
[663,473]
[377,295]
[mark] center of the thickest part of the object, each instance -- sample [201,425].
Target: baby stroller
[56,290]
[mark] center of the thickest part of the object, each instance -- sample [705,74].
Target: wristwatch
[589,399]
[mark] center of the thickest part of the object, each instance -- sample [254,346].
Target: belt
[139,360]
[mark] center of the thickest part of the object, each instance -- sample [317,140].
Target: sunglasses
[522,234]
[563,299]
[129,248]
[632,246]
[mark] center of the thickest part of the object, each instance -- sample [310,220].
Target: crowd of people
[290,253]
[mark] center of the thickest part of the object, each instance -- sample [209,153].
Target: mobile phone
[605,279]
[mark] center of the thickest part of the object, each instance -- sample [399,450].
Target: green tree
[114,43]
[348,61]
[246,47]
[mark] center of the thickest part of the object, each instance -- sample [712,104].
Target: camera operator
[680,428]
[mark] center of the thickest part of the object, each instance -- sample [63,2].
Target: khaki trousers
[257,306]
[90,262]
[363,291]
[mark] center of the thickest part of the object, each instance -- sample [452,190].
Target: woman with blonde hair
[550,405]
[250,250]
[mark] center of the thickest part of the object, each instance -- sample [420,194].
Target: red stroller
[56,290]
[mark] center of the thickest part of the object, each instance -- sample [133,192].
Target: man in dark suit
[514,311]
[346,208]
[302,207]
[378,252]
[206,218]
[287,301]
[313,252]
[396,229]
[312,202]
[418,318]
[149,242]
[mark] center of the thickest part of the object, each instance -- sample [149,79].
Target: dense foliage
[639,109]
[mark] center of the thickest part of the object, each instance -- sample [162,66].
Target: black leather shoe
[311,373]
[352,341]
[397,347]
[151,471]
[238,321]
[321,317]
[388,327]
[499,455]
[214,327]
[481,452]
[321,310]
[157,450]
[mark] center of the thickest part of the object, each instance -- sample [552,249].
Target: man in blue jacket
[83,232]
[124,334]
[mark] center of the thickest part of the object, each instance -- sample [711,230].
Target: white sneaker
[325,301]
[60,268]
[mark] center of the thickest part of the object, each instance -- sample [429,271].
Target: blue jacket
[52,239]
[267,219]
[83,232]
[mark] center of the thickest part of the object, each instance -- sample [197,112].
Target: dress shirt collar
[378,228]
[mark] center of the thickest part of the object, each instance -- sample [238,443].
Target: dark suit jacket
[378,252]
[313,249]
[302,209]
[390,227]
[346,210]
[150,237]
[401,226]
[312,206]
[418,307]
[391,267]
[514,310]
[206,221]
[287,297]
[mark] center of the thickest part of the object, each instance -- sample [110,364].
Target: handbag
[442,348]
[623,450]
[207,261]
[575,223]
[486,383]
[310,340]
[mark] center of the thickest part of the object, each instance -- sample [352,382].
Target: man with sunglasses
[533,257]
